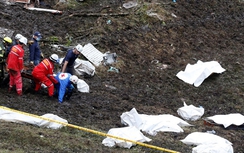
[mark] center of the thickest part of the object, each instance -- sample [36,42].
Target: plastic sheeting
[197,73]
[190,112]
[227,120]
[208,143]
[109,58]
[152,124]
[10,116]
[130,133]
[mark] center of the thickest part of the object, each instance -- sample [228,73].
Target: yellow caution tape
[89,130]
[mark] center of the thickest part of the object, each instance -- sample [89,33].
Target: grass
[25,136]
[28,138]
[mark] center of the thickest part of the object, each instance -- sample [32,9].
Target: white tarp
[227,120]
[10,116]
[190,112]
[152,124]
[208,143]
[129,133]
[197,73]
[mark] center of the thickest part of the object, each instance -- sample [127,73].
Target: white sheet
[208,143]
[153,123]
[190,112]
[130,133]
[82,86]
[197,73]
[227,120]
[10,116]
[82,67]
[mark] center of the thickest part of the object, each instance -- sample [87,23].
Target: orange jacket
[15,58]
[45,68]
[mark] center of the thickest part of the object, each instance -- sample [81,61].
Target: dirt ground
[182,33]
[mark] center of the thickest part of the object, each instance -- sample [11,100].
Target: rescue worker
[69,60]
[16,39]
[15,65]
[65,88]
[8,44]
[34,48]
[43,74]
[15,42]
[4,45]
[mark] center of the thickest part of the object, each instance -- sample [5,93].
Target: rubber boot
[19,93]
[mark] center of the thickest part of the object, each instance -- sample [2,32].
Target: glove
[32,63]
[30,42]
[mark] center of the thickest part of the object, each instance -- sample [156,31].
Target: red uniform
[15,66]
[43,73]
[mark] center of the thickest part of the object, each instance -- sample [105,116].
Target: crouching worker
[43,74]
[65,88]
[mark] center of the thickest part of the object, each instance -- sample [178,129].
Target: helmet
[79,48]
[74,79]
[23,40]
[18,36]
[7,39]
[54,58]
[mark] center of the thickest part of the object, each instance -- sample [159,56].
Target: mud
[201,30]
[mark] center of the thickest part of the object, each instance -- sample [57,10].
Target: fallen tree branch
[98,14]
[5,14]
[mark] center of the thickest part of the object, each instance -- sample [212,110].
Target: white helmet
[74,79]
[23,40]
[54,58]
[79,48]
[18,36]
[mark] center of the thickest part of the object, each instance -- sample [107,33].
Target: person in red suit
[43,74]
[15,65]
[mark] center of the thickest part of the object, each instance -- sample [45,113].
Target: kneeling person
[43,73]
[65,87]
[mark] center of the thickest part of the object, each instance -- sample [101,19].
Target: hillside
[175,35]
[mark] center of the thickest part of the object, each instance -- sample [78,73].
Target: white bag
[82,86]
[190,112]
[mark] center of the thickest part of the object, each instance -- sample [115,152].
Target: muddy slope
[188,31]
